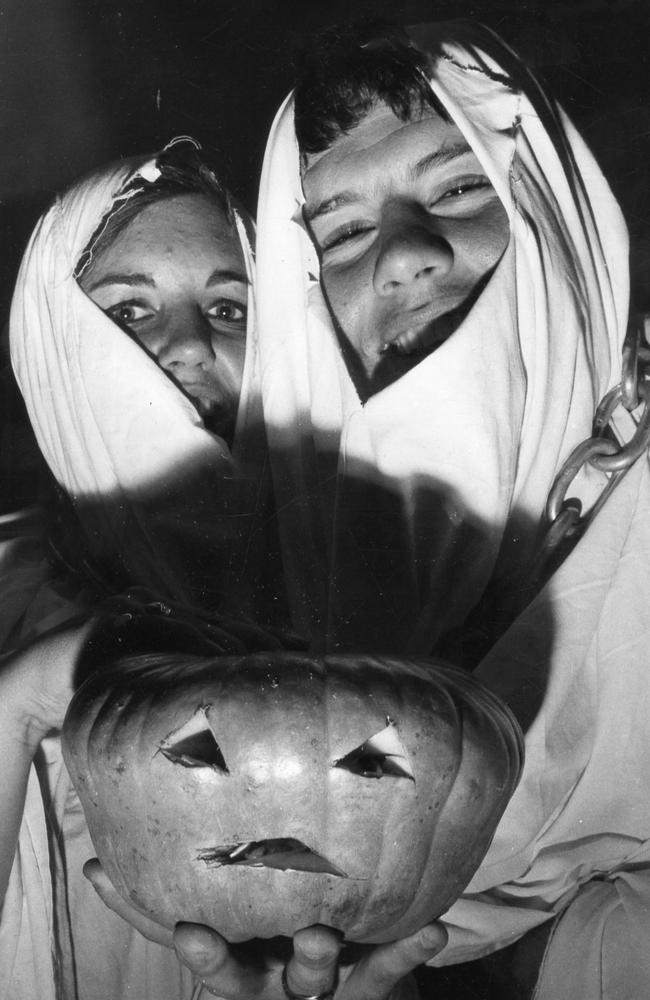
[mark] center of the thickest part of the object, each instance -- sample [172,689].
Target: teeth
[404,343]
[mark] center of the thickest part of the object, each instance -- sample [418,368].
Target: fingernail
[432,936]
[317,946]
[89,870]
[193,955]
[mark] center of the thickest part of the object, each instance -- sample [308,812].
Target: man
[420,399]
[442,298]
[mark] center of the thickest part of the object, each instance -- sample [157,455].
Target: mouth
[426,332]
[426,327]
[217,413]
[283,853]
[201,394]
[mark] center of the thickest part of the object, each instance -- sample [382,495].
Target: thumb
[111,898]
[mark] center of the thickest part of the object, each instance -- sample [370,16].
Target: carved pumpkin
[263,793]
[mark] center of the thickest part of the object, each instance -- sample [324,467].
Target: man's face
[408,229]
[175,279]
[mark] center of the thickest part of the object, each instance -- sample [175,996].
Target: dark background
[84,81]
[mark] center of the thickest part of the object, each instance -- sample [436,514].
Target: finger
[111,898]
[376,975]
[209,957]
[203,950]
[313,967]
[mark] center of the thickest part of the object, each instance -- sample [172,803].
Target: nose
[184,341]
[410,252]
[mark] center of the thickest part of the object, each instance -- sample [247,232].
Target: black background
[83,82]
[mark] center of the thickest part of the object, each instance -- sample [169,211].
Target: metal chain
[564,518]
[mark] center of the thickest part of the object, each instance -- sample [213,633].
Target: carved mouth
[284,853]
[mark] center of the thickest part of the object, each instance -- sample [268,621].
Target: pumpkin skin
[179,759]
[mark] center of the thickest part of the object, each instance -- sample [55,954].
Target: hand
[311,970]
[241,972]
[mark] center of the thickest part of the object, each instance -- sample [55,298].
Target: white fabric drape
[574,669]
[446,473]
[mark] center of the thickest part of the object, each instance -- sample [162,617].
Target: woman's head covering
[157,495]
[398,513]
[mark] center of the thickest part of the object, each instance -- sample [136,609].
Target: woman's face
[175,279]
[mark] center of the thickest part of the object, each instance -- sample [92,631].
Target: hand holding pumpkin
[276,794]
[311,970]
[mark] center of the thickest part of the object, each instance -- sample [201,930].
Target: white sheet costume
[397,514]
[146,479]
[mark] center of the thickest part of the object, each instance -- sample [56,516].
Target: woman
[128,329]
[113,429]
[129,342]
[414,508]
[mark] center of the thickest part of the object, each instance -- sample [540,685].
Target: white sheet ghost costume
[147,481]
[397,514]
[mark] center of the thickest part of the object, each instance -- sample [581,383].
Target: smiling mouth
[283,853]
[201,394]
[218,413]
[424,338]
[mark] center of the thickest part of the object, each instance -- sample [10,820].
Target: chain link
[564,517]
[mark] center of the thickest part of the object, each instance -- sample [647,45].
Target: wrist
[19,722]
[36,686]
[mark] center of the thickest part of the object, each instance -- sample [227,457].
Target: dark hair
[183,169]
[345,74]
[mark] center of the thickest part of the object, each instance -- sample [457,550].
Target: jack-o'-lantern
[260,794]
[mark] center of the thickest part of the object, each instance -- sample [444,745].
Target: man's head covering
[396,514]
[154,491]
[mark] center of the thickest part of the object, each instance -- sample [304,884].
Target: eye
[344,234]
[194,744]
[463,187]
[383,755]
[464,194]
[129,312]
[228,312]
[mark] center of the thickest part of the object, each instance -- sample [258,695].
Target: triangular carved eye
[383,755]
[194,745]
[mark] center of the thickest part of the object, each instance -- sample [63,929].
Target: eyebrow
[138,278]
[438,158]
[226,274]
[122,279]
